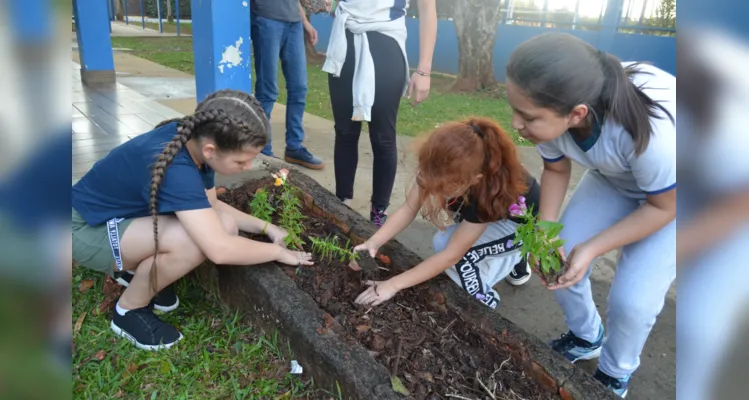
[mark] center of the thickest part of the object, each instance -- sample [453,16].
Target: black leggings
[390,77]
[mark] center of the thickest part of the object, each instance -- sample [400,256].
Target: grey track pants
[643,276]
[490,260]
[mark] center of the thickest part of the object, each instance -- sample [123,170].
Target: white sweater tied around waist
[359,17]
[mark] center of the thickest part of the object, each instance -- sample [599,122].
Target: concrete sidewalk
[530,306]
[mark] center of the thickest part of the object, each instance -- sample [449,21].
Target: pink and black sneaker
[378,216]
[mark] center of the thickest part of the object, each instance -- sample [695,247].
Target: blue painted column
[610,25]
[221,44]
[94,43]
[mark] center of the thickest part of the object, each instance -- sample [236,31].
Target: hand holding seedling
[368,246]
[377,293]
[541,245]
[581,258]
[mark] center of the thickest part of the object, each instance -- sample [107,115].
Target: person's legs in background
[347,132]
[390,80]
[267,39]
[294,65]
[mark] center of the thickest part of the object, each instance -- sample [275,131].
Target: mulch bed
[432,350]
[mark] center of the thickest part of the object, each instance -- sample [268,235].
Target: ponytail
[503,174]
[626,103]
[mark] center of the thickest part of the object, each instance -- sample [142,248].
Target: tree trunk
[169,15]
[119,15]
[476,25]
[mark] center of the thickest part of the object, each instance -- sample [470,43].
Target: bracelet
[266,226]
[422,73]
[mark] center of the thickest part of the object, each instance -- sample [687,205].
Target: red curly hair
[453,156]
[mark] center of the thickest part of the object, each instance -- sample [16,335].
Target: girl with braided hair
[149,211]
[469,174]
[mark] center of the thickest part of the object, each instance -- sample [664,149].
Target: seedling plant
[540,241]
[329,248]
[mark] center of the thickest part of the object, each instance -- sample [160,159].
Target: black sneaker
[378,216]
[166,300]
[520,274]
[620,387]
[144,329]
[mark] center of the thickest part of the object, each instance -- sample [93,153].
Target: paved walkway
[105,117]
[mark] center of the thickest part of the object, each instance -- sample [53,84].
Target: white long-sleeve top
[359,17]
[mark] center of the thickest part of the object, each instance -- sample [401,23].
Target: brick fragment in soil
[435,351]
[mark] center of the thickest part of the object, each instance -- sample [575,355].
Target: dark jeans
[272,39]
[390,77]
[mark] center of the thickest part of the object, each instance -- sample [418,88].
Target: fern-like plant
[330,249]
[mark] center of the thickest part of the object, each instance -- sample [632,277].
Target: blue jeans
[272,39]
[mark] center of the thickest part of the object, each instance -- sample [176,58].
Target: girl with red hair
[468,176]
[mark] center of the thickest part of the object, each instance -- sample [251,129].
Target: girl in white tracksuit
[617,120]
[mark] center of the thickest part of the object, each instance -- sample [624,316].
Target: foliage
[539,238]
[261,207]
[290,217]
[329,248]
[221,357]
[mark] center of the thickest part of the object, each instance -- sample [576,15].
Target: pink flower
[521,201]
[516,210]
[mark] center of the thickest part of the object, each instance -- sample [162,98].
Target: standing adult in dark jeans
[278,28]
[368,75]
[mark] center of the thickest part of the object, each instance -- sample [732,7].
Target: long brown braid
[230,118]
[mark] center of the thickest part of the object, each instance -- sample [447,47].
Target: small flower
[278,182]
[516,210]
[284,173]
[521,200]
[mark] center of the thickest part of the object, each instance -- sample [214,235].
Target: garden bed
[434,339]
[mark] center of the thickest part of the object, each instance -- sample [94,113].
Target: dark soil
[433,351]
[552,277]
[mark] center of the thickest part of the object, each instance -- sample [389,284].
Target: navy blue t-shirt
[119,185]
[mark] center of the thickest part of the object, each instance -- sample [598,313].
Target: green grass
[221,357]
[441,106]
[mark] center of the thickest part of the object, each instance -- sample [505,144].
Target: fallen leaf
[85,285]
[100,355]
[383,259]
[398,387]
[354,265]
[426,376]
[378,343]
[79,323]
[165,368]
[362,328]
[131,369]
[104,306]
[119,394]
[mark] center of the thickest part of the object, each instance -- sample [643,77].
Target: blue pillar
[221,43]
[94,43]
[610,25]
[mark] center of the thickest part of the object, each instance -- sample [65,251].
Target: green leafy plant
[329,248]
[290,217]
[261,207]
[540,241]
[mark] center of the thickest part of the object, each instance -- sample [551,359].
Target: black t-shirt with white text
[468,211]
